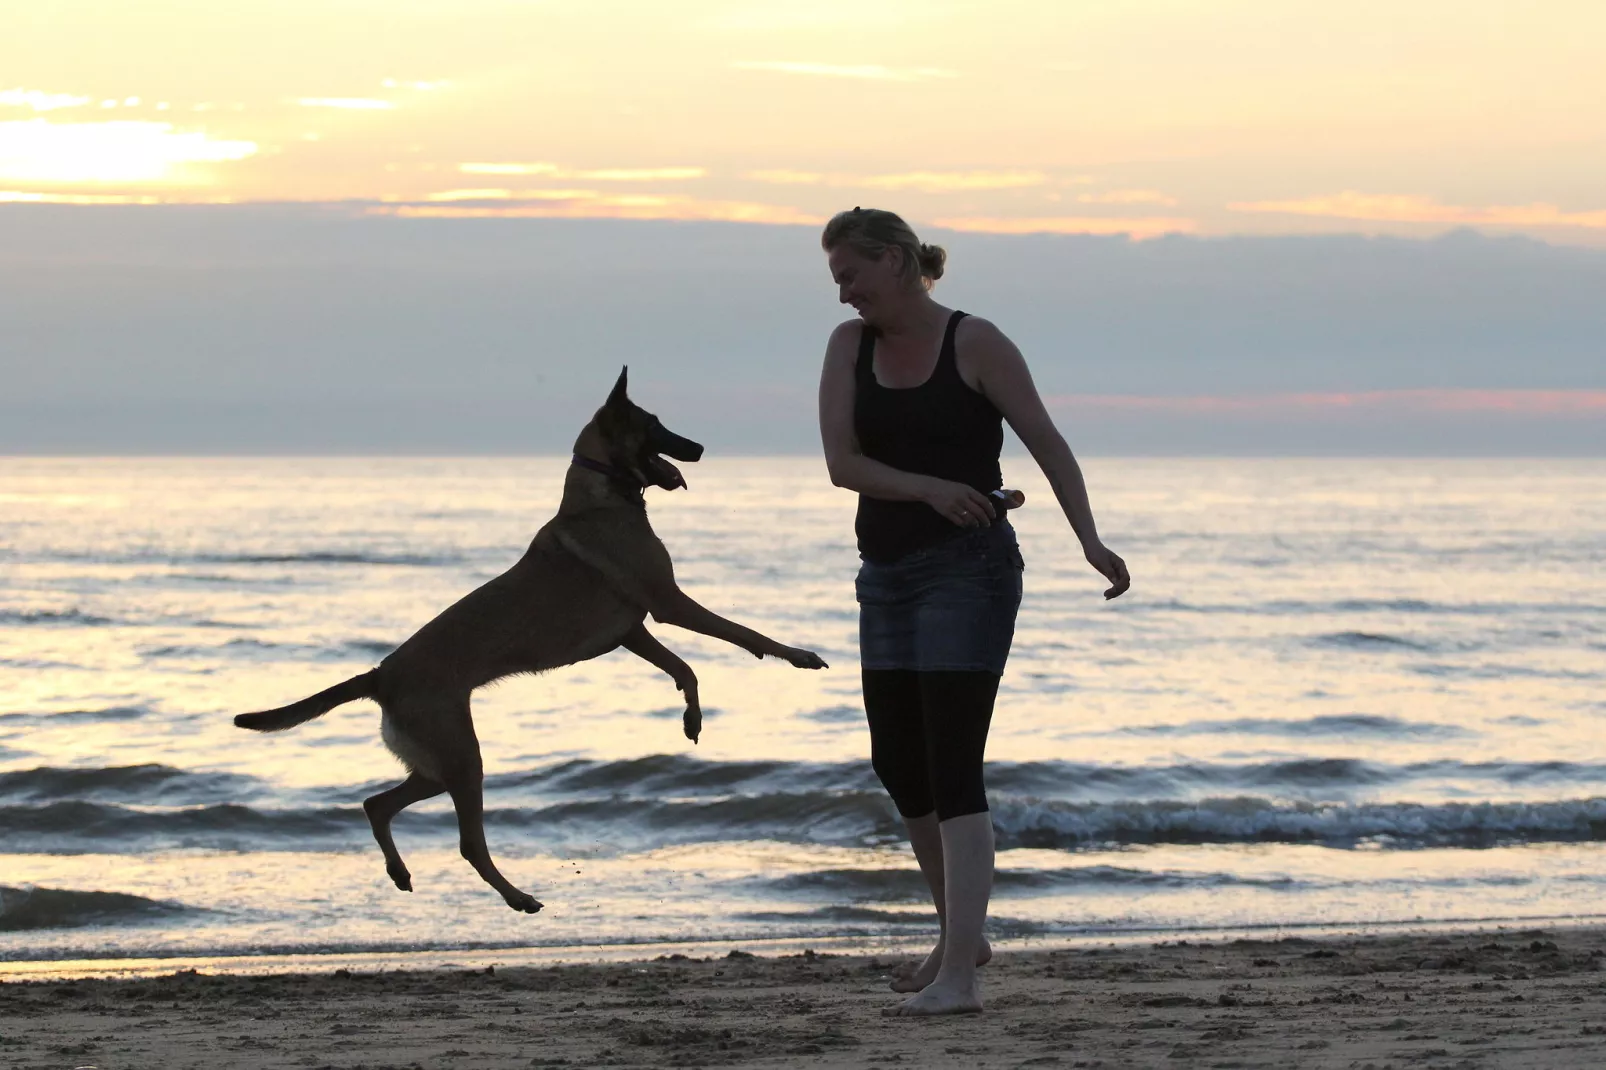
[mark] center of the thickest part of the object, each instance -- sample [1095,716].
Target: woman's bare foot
[937,998]
[912,978]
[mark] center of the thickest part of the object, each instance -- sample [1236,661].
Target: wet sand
[1490,998]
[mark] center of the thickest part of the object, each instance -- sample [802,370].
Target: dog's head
[632,439]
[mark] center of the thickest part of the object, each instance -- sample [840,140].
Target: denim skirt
[944,608]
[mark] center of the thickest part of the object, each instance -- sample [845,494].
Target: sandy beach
[1492,998]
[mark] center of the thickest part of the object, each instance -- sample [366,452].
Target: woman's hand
[958,503]
[1111,567]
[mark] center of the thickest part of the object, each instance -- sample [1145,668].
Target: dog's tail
[308,708]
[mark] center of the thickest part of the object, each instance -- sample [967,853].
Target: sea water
[1340,693]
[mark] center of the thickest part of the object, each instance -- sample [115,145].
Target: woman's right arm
[851,469]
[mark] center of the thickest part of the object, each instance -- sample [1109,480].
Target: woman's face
[869,285]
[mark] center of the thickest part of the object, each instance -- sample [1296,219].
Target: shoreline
[268,964]
[1530,996]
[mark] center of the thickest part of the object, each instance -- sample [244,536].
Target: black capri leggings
[928,732]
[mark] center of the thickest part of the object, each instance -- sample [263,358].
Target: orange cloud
[604,174]
[955,181]
[1136,229]
[346,103]
[867,71]
[1406,208]
[589,204]
[919,181]
[789,178]
[1129,196]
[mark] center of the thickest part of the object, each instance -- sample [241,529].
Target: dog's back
[550,609]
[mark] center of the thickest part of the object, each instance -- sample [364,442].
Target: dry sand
[1488,999]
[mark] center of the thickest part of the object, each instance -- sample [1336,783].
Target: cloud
[920,181]
[469,195]
[788,178]
[591,204]
[774,15]
[509,195]
[346,103]
[39,100]
[868,71]
[11,196]
[1136,229]
[422,87]
[1406,208]
[955,181]
[1559,403]
[605,174]
[508,168]
[1129,196]
[638,174]
[37,150]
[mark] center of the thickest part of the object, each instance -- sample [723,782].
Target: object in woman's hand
[1004,500]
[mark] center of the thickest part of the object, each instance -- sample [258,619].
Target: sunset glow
[43,151]
[1023,116]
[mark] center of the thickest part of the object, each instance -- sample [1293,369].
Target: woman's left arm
[1002,376]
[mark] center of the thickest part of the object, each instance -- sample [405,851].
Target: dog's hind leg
[468,798]
[643,644]
[382,808]
[458,754]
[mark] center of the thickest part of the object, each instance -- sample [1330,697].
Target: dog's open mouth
[662,440]
[664,474]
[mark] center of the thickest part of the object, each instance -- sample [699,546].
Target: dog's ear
[618,395]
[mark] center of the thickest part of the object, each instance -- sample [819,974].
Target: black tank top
[940,428]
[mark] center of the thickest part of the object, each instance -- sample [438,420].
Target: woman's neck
[917,316]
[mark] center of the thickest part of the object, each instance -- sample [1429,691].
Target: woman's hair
[870,232]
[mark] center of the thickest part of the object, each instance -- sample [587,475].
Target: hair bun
[932,258]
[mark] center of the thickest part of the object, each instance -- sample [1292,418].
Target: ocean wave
[677,775]
[1343,724]
[1370,641]
[53,617]
[111,713]
[842,914]
[593,786]
[261,649]
[855,819]
[77,827]
[850,920]
[1297,607]
[1503,672]
[57,908]
[149,784]
[906,885]
[616,824]
[1058,825]
[1321,777]
[835,715]
[330,557]
[674,776]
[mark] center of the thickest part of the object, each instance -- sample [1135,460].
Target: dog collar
[619,475]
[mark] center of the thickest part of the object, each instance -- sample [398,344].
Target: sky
[1140,117]
[1234,226]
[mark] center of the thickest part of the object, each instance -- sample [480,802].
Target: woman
[911,402]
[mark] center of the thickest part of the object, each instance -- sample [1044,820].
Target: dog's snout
[664,441]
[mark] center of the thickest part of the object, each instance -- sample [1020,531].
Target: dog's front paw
[805,659]
[692,721]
